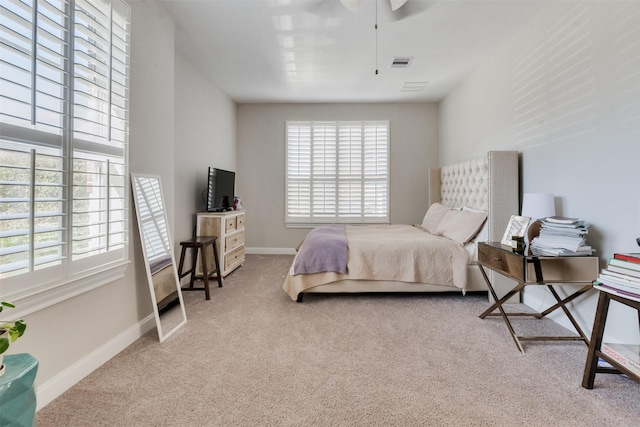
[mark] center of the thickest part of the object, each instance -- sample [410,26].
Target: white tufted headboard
[489,183]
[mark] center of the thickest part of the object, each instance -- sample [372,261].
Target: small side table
[532,270]
[591,367]
[199,244]
[17,391]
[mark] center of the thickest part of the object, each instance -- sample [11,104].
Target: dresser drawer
[230,224]
[233,258]
[240,221]
[502,261]
[233,241]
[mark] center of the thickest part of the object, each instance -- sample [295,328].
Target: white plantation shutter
[100,126]
[152,219]
[63,139]
[298,171]
[32,211]
[376,167]
[337,172]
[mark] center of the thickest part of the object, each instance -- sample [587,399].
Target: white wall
[261,162]
[565,92]
[205,135]
[163,98]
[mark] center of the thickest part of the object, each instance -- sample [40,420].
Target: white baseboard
[270,251]
[62,382]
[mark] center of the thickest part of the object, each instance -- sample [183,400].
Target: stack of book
[561,236]
[621,276]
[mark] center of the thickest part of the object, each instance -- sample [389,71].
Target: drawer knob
[497,258]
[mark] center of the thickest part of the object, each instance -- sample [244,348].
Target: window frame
[74,274]
[343,211]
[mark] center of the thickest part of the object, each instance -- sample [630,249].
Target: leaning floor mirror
[158,254]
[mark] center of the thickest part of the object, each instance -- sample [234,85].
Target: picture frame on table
[517,227]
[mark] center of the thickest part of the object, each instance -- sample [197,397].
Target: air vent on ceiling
[401,62]
[413,86]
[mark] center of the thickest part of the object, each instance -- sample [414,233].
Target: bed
[428,257]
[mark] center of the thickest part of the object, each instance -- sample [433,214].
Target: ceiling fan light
[352,5]
[396,4]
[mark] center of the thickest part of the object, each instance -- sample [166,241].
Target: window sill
[318,224]
[36,299]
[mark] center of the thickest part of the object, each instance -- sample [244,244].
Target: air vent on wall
[401,62]
[413,86]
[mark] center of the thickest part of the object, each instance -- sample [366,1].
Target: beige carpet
[250,357]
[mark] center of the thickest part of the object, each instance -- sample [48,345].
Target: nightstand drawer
[502,261]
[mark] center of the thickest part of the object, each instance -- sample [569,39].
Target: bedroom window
[337,172]
[63,144]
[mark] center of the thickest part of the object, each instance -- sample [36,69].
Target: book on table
[619,277]
[635,296]
[561,236]
[626,355]
[561,219]
[612,283]
[631,257]
[625,271]
[624,264]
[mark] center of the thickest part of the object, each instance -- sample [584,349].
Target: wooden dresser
[228,227]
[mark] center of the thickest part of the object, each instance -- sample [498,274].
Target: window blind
[63,139]
[152,219]
[337,172]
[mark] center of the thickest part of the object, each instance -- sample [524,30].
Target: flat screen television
[220,190]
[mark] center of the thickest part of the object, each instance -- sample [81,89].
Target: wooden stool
[199,244]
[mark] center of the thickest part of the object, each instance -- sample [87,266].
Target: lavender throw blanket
[324,249]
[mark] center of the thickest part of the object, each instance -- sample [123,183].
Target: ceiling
[319,51]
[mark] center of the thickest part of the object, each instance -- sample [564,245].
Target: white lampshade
[538,205]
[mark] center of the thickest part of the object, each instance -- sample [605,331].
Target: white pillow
[460,226]
[483,234]
[467,208]
[433,216]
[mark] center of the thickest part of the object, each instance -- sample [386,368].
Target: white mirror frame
[156,245]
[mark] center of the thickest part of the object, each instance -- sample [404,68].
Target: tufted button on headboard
[489,183]
[465,184]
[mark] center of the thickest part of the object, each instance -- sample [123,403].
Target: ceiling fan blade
[407,9]
[352,5]
[396,4]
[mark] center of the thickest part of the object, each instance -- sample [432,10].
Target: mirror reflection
[158,254]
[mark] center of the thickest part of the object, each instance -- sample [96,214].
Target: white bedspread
[393,252]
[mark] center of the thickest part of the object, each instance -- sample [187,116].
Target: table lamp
[537,206]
